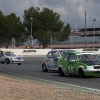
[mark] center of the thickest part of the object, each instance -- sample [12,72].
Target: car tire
[81,73]
[60,72]
[7,61]
[44,68]
[19,63]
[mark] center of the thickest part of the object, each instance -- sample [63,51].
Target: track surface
[32,67]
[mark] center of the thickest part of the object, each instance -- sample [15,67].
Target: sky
[70,11]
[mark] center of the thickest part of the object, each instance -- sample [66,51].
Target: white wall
[28,52]
[33,52]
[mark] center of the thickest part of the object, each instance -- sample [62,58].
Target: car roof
[6,50]
[69,51]
[85,53]
[65,50]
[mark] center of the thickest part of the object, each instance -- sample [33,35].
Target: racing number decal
[70,68]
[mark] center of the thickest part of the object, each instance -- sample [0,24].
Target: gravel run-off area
[18,89]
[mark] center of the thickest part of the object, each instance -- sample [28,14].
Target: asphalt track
[32,67]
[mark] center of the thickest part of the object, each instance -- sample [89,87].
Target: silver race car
[9,57]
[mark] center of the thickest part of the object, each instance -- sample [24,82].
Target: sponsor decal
[70,68]
[90,49]
[46,60]
[26,51]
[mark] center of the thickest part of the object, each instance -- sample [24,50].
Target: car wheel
[80,73]
[60,72]
[44,68]
[2,62]
[19,63]
[7,61]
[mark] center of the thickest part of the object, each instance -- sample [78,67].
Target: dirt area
[17,89]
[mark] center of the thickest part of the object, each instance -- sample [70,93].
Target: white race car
[50,60]
[9,57]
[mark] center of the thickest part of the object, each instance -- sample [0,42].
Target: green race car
[79,63]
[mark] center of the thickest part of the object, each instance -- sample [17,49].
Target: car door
[50,60]
[65,62]
[72,64]
[55,58]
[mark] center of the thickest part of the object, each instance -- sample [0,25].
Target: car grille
[97,72]
[96,67]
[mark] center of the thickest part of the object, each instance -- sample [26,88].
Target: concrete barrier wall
[82,50]
[33,52]
[28,52]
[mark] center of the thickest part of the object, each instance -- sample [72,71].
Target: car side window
[55,54]
[49,55]
[72,57]
[1,53]
[66,57]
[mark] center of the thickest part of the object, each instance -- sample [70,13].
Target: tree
[45,24]
[50,23]
[12,27]
[1,28]
[31,16]
[64,34]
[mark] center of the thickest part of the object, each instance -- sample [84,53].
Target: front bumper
[16,61]
[92,72]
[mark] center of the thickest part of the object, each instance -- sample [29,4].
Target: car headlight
[89,67]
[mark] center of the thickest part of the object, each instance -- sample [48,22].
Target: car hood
[14,56]
[92,63]
[17,57]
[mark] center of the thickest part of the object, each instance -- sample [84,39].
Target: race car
[50,61]
[9,57]
[79,63]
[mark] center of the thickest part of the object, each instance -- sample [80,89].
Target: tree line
[46,24]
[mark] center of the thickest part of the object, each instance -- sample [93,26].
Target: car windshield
[56,54]
[61,52]
[88,58]
[64,51]
[9,54]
